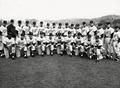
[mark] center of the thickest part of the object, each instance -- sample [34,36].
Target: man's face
[12,22]
[108,25]
[34,24]
[9,36]
[22,37]
[91,24]
[19,24]
[30,36]
[116,29]
[27,24]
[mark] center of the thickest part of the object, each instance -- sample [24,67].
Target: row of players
[91,40]
[47,28]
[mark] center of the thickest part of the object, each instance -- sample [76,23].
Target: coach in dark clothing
[11,29]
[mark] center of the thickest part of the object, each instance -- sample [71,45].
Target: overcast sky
[57,9]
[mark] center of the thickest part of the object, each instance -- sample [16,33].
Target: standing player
[114,41]
[92,32]
[66,29]
[1,45]
[60,28]
[78,29]
[47,29]
[108,35]
[54,29]
[41,27]
[3,28]
[72,29]
[117,50]
[34,29]
[19,28]
[26,28]
[84,30]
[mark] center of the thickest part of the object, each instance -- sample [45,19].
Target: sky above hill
[57,9]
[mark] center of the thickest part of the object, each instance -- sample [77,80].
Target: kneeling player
[1,45]
[31,45]
[99,48]
[60,44]
[69,44]
[77,48]
[9,47]
[50,46]
[41,44]
[21,46]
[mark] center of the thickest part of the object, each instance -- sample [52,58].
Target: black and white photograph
[59,43]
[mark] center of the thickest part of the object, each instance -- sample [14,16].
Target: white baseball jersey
[41,29]
[21,42]
[34,30]
[78,40]
[8,42]
[50,40]
[100,31]
[116,35]
[92,30]
[66,31]
[84,31]
[109,31]
[47,31]
[78,30]
[41,39]
[19,29]
[30,41]
[118,49]
[70,39]
[26,29]
[59,39]
[60,30]
[3,30]
[54,31]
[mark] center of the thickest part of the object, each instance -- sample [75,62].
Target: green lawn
[59,72]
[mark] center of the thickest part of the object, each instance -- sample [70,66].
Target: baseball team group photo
[59,44]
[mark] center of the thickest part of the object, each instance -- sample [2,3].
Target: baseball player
[3,28]
[41,27]
[9,47]
[31,44]
[1,45]
[108,34]
[84,30]
[50,46]
[21,46]
[26,28]
[60,44]
[117,50]
[34,29]
[70,41]
[66,29]
[41,40]
[19,28]
[114,41]
[92,30]
[78,43]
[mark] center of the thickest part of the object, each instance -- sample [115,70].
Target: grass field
[59,72]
